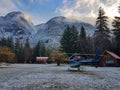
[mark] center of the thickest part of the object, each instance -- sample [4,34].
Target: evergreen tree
[3,42]
[83,33]
[7,42]
[36,51]
[21,56]
[69,39]
[18,51]
[27,52]
[74,34]
[39,50]
[27,44]
[101,36]
[10,43]
[90,45]
[116,26]
[65,43]
[43,49]
[102,22]
[83,45]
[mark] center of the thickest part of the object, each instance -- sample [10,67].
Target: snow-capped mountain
[17,25]
[51,31]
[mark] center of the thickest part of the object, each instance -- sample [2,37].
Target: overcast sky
[41,11]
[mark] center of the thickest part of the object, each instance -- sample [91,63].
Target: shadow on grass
[82,72]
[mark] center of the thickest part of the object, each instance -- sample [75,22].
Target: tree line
[15,51]
[77,41]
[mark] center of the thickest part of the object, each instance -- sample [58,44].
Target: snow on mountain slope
[51,31]
[17,25]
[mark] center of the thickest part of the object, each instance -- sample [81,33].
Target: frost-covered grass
[52,77]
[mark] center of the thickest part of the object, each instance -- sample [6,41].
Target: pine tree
[43,49]
[82,46]
[7,42]
[102,22]
[39,50]
[21,55]
[82,32]
[101,35]
[27,44]
[10,43]
[3,42]
[116,26]
[74,38]
[65,40]
[69,39]
[36,51]
[90,45]
[18,51]
[27,52]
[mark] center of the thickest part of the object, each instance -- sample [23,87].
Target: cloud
[36,18]
[87,10]
[7,6]
[83,10]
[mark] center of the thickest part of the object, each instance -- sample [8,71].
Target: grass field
[52,77]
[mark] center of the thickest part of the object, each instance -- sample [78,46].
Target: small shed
[41,59]
[109,58]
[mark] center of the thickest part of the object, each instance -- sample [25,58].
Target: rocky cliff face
[17,25]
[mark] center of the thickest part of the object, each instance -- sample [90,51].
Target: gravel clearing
[52,77]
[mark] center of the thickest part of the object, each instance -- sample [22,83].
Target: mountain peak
[13,14]
[16,24]
[57,19]
[16,15]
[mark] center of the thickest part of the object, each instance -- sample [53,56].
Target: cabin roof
[112,54]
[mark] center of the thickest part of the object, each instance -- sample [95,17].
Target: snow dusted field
[52,77]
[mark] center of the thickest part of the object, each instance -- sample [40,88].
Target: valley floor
[52,77]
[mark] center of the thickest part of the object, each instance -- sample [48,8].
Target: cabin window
[109,61]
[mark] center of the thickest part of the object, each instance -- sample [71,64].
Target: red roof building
[109,58]
[41,59]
